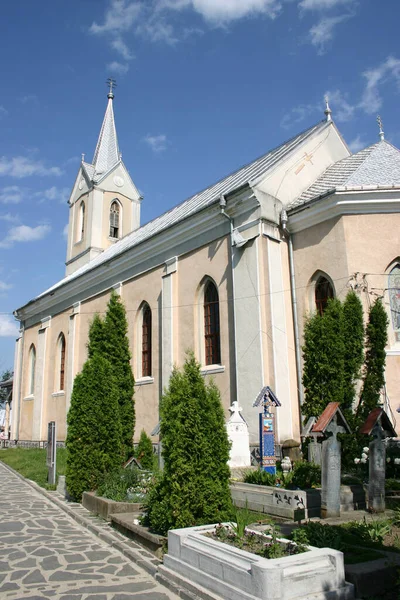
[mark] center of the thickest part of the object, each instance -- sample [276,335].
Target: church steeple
[105,203]
[107,153]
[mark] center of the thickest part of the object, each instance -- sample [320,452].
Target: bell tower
[104,205]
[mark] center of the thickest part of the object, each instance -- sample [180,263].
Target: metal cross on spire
[112,84]
[381,132]
[327,110]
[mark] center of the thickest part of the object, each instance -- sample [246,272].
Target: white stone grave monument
[238,434]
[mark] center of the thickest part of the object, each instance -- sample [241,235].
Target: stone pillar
[17,392]
[314,452]
[331,470]
[167,321]
[71,354]
[377,471]
[38,406]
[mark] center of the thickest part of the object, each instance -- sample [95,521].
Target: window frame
[60,371]
[391,293]
[32,370]
[111,235]
[81,230]
[211,324]
[146,341]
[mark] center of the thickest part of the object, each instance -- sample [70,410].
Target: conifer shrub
[94,430]
[375,359]
[194,486]
[115,347]
[144,451]
[353,335]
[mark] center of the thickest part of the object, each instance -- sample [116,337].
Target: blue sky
[204,86]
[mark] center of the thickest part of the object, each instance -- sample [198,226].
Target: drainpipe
[222,205]
[288,236]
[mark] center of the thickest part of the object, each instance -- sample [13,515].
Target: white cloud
[8,327]
[11,194]
[28,99]
[65,231]
[343,110]
[20,166]
[119,45]
[119,17]
[117,67]
[4,287]
[322,32]
[389,70]
[324,4]
[3,112]
[357,144]
[223,11]
[158,30]
[9,218]
[24,233]
[54,193]
[158,143]
[298,114]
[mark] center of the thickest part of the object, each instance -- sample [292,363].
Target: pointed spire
[327,110]
[381,132]
[107,151]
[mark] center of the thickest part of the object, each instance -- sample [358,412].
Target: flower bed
[235,574]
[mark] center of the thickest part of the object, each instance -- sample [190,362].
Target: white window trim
[212,369]
[311,305]
[119,220]
[57,374]
[144,381]
[139,346]
[31,372]
[81,222]
[200,333]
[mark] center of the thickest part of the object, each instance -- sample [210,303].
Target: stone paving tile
[46,555]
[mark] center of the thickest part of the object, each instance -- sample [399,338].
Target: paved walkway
[45,554]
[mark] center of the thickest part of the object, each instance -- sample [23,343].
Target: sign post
[266,398]
[51,452]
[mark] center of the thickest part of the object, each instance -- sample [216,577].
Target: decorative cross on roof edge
[266,396]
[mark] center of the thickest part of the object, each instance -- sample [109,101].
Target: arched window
[323,292]
[211,325]
[114,219]
[32,370]
[146,341]
[60,372]
[81,220]
[394,298]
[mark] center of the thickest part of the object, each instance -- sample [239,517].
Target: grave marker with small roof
[267,399]
[314,448]
[380,427]
[330,423]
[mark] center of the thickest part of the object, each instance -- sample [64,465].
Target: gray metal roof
[106,154]
[195,203]
[377,165]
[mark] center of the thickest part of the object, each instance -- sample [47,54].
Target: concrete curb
[103,530]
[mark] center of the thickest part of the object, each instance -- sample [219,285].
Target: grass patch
[31,463]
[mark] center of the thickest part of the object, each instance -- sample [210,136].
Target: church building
[229,273]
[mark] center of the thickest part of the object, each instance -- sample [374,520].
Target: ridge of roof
[375,165]
[193,204]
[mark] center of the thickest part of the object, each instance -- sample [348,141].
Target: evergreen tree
[114,343]
[144,451]
[94,430]
[323,356]
[194,486]
[96,336]
[3,391]
[353,334]
[375,359]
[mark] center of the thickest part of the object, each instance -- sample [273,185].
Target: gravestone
[380,427]
[238,434]
[329,424]
[314,447]
[267,399]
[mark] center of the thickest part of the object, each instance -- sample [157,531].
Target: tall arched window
[32,370]
[394,298]
[81,220]
[211,325]
[146,341]
[114,219]
[60,373]
[323,292]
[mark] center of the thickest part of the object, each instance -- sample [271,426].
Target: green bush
[122,485]
[94,431]
[144,452]
[306,475]
[194,486]
[259,477]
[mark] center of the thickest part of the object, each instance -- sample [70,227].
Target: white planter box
[232,574]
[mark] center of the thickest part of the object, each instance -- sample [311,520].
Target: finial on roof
[381,132]
[83,156]
[112,84]
[327,110]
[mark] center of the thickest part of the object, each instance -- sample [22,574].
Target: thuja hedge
[194,486]
[94,429]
